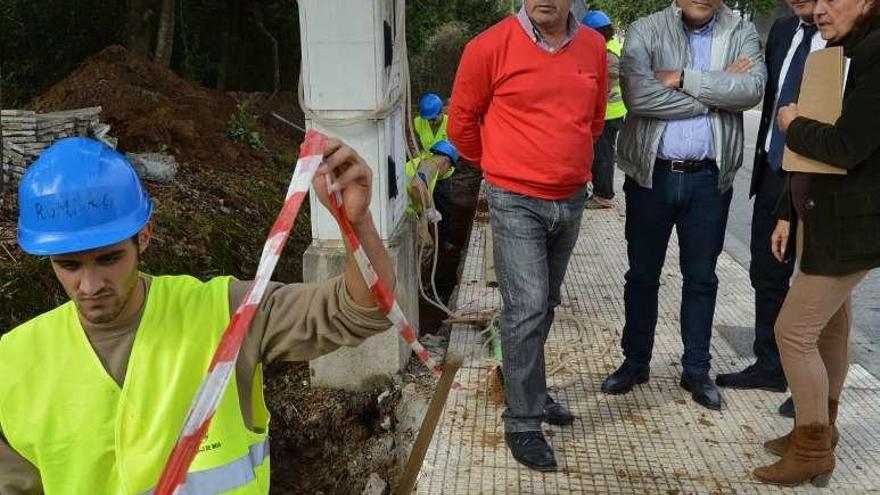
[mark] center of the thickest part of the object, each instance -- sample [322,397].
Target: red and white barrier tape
[223,365]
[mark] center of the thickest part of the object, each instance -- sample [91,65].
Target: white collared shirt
[817,44]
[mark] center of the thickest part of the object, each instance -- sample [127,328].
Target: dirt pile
[150,108]
[213,218]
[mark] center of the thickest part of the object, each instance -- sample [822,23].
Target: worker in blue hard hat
[434,170]
[430,169]
[603,164]
[430,126]
[94,393]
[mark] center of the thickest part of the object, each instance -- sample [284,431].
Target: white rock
[154,166]
[375,485]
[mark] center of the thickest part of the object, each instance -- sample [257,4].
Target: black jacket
[842,215]
[778,43]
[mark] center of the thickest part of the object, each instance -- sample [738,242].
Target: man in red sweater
[527,104]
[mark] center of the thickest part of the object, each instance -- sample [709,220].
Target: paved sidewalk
[652,440]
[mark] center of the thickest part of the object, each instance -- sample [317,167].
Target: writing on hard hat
[430,106]
[444,147]
[596,19]
[80,194]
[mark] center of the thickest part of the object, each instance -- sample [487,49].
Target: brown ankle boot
[809,458]
[779,445]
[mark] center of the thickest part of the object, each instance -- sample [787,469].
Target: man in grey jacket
[688,72]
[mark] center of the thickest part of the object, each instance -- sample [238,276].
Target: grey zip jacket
[659,42]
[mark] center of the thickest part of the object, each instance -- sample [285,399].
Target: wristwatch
[681,80]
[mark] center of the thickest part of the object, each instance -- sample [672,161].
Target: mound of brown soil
[150,108]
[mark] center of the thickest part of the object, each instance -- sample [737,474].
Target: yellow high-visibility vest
[62,411]
[616,107]
[427,137]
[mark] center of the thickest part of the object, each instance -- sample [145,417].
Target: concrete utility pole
[352,89]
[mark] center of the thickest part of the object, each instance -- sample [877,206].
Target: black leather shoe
[702,390]
[557,414]
[625,378]
[531,449]
[787,408]
[753,377]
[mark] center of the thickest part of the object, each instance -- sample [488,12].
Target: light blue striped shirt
[693,138]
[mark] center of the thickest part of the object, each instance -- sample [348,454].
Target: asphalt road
[866,300]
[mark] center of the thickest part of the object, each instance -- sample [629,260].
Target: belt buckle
[677,166]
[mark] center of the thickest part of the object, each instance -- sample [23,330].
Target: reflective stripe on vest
[616,107]
[62,411]
[222,479]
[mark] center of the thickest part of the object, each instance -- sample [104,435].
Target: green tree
[425,17]
[40,42]
[248,45]
[436,32]
[624,12]
[165,36]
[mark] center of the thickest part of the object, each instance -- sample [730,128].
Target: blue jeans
[533,240]
[692,203]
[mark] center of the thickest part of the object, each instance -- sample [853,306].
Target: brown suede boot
[778,446]
[809,458]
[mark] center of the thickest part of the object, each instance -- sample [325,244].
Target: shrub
[242,127]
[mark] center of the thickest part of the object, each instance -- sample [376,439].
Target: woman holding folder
[840,237]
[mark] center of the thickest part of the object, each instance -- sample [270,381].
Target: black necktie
[789,92]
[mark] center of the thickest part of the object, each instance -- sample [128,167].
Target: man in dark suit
[791,39]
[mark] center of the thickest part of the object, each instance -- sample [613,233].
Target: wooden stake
[429,424]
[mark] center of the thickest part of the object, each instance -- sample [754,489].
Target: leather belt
[685,166]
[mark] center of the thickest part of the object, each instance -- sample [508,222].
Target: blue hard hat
[80,194]
[444,147]
[430,106]
[596,19]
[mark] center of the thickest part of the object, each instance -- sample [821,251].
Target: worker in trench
[93,394]
[426,173]
[430,126]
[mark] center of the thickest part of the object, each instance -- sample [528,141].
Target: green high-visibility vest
[427,137]
[616,108]
[62,411]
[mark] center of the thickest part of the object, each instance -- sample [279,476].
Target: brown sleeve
[299,322]
[17,476]
[613,72]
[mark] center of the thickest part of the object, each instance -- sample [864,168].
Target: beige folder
[821,98]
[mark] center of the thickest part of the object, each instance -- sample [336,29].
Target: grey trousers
[533,240]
